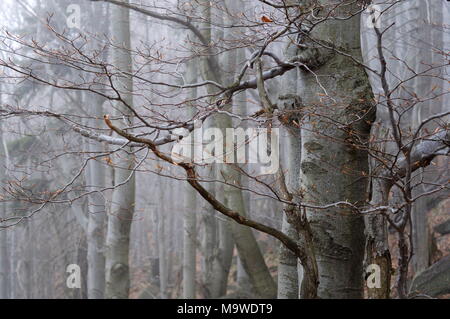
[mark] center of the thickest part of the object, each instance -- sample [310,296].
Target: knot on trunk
[119,269]
[290,109]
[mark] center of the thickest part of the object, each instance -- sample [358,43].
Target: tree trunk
[224,257]
[243,280]
[248,249]
[429,22]
[163,253]
[97,216]
[332,168]
[377,247]
[4,261]
[190,214]
[123,199]
[209,247]
[288,276]
[288,272]
[217,249]
[97,210]
[189,243]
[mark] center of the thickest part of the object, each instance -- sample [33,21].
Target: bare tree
[364,149]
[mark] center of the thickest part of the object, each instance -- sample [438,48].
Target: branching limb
[192,179]
[158,16]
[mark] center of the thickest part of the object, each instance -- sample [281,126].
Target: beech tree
[347,100]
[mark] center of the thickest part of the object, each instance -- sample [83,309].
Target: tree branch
[425,152]
[192,179]
[158,16]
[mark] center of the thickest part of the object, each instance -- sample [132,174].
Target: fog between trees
[224,149]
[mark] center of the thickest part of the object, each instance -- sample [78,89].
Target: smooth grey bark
[242,279]
[240,107]
[189,245]
[416,54]
[97,215]
[224,257]
[170,242]
[4,261]
[163,253]
[123,198]
[249,252]
[288,275]
[27,261]
[288,272]
[190,214]
[332,169]
[421,234]
[12,265]
[217,246]
[96,178]
[217,241]
[190,219]
[209,247]
[248,249]
[429,31]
